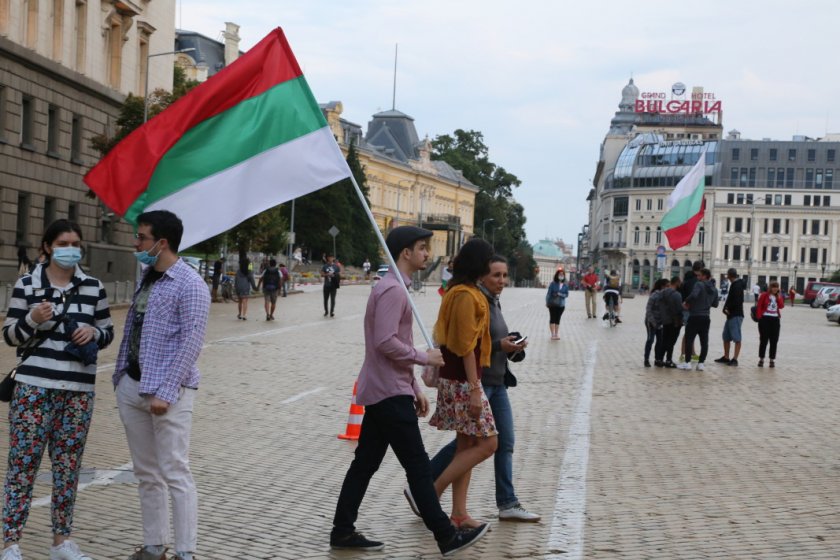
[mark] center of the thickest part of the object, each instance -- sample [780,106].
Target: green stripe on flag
[684,210]
[281,114]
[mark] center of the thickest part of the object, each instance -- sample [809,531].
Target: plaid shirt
[172,335]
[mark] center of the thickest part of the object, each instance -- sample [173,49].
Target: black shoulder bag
[7,385]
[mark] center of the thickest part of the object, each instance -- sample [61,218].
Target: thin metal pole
[394,94]
[392,263]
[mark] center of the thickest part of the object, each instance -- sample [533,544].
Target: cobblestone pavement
[622,461]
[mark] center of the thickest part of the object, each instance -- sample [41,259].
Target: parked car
[833,314]
[812,288]
[381,271]
[826,297]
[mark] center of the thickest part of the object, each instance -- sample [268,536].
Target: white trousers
[159,446]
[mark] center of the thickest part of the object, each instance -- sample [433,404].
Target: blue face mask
[145,258]
[67,257]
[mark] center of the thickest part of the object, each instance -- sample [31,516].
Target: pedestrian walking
[243,283]
[393,400]
[733,308]
[671,315]
[494,382]
[463,332]
[555,300]
[768,310]
[284,279]
[156,380]
[590,286]
[792,295]
[331,273]
[699,302]
[217,277]
[58,319]
[653,319]
[270,282]
[366,268]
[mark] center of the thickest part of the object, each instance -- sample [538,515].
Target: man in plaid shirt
[156,380]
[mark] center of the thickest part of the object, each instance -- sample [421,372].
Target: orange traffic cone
[354,421]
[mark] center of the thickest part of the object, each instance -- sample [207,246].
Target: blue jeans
[503,458]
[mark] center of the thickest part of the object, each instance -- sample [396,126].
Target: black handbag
[7,385]
[510,379]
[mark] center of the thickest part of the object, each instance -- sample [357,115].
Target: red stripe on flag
[124,173]
[680,236]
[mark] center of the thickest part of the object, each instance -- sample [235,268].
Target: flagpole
[391,262]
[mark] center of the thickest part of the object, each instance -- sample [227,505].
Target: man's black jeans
[393,422]
[329,297]
[697,326]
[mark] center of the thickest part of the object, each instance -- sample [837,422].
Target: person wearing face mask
[555,300]
[53,399]
[156,380]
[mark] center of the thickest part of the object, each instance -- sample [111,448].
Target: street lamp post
[822,278]
[146,85]
[795,270]
[484,223]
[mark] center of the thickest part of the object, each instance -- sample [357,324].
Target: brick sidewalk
[730,463]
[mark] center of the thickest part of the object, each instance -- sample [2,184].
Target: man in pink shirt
[393,401]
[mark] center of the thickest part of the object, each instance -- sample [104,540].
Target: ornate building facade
[65,69]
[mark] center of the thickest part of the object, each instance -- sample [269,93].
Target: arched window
[659,236]
[701,235]
[675,268]
[647,235]
[636,235]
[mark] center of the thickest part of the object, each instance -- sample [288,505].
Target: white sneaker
[700,366]
[12,553]
[684,365]
[518,513]
[68,550]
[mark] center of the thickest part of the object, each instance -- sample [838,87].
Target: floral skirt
[452,410]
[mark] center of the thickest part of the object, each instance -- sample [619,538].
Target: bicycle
[611,299]
[611,312]
[228,293]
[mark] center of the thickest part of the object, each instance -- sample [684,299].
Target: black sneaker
[354,541]
[647,363]
[462,539]
[670,365]
[722,360]
[732,362]
[659,363]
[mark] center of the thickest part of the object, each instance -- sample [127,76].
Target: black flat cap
[403,237]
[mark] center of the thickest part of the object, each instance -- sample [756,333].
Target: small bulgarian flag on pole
[249,138]
[686,206]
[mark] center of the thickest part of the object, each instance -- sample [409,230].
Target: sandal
[465,522]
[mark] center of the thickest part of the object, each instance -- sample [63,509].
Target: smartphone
[521,340]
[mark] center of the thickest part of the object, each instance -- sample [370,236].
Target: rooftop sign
[680,102]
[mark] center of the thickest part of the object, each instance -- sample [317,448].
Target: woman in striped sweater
[62,310]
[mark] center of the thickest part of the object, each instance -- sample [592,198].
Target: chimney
[231,42]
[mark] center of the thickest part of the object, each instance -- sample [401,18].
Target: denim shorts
[732,329]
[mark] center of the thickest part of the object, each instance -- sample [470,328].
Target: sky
[541,79]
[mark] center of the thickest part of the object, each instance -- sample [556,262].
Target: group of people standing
[688,302]
[59,319]
[473,377]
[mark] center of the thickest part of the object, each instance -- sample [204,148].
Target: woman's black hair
[660,284]
[57,228]
[243,266]
[557,275]
[472,262]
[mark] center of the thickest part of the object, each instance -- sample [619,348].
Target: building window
[49,211]
[825,255]
[73,212]
[749,199]
[829,155]
[826,201]
[774,154]
[728,224]
[143,63]
[829,175]
[813,255]
[749,225]
[636,236]
[802,255]
[809,178]
[620,206]
[3,101]
[76,140]
[812,155]
[753,154]
[792,155]
[744,177]
[774,254]
[788,200]
[647,236]
[787,226]
[789,178]
[752,176]
[660,203]
[733,177]
[807,200]
[818,178]
[730,198]
[701,235]
[736,154]
[649,204]
[638,204]
[114,45]
[22,218]
[777,200]
[27,122]
[739,224]
[768,199]
[780,177]
[777,225]
[736,252]
[740,199]
[4,17]
[726,252]
[52,131]
[30,28]
[815,227]
[80,32]
[658,235]
[771,177]
[825,227]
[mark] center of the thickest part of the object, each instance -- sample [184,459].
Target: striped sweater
[49,365]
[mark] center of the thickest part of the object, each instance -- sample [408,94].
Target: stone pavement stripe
[101,478]
[567,526]
[302,395]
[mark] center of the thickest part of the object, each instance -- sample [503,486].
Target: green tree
[498,217]
[265,232]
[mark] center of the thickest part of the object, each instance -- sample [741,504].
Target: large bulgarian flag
[249,138]
[686,206]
